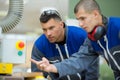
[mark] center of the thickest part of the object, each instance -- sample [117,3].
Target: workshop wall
[108,7]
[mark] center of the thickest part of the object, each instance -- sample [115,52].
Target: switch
[20,45]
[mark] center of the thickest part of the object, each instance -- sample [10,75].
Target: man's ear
[62,23]
[96,13]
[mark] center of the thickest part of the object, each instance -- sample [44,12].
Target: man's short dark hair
[87,5]
[49,14]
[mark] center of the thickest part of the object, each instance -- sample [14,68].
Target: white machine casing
[9,51]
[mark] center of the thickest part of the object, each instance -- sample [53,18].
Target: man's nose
[48,32]
[80,24]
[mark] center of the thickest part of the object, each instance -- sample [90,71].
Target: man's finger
[33,61]
[44,59]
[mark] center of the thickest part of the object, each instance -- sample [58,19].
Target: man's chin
[88,31]
[51,41]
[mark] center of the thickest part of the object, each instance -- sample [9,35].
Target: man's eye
[82,18]
[44,30]
[51,27]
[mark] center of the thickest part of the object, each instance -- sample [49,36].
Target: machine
[12,48]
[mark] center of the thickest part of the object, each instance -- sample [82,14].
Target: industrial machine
[12,48]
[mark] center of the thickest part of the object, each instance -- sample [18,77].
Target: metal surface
[14,15]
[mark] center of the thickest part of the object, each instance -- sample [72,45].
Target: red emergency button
[20,45]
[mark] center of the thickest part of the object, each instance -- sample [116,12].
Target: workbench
[23,76]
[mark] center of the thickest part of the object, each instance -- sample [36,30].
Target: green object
[20,53]
[106,72]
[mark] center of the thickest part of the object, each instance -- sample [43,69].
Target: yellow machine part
[39,77]
[6,68]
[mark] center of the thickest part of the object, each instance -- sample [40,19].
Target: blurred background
[31,13]
[30,27]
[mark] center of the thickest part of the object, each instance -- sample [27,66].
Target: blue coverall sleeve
[85,59]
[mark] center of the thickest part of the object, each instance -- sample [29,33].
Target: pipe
[14,15]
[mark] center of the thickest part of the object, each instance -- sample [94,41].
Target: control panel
[13,50]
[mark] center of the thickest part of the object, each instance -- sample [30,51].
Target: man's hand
[45,65]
